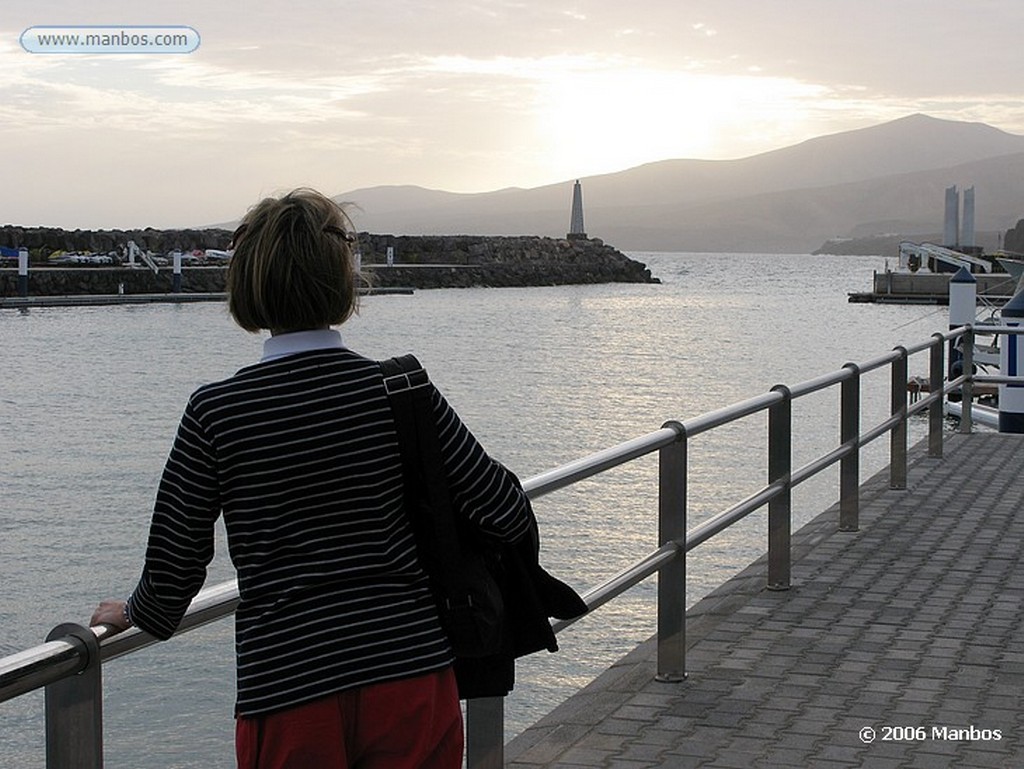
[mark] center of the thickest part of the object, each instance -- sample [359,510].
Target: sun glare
[609,119]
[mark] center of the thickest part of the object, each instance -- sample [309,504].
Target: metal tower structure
[951,229]
[967,229]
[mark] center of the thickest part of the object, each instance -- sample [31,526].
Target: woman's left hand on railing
[111,612]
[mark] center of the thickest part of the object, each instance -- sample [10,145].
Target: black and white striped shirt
[300,455]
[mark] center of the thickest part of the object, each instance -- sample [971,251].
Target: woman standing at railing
[341,657]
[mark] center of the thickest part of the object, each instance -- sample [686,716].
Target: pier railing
[69,664]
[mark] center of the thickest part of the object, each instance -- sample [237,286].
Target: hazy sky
[463,95]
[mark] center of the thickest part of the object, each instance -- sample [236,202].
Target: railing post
[849,465]
[780,467]
[967,391]
[935,376]
[485,733]
[74,707]
[898,434]
[672,576]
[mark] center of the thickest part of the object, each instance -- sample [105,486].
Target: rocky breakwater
[446,261]
[43,241]
[416,262]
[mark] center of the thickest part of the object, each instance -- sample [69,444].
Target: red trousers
[414,723]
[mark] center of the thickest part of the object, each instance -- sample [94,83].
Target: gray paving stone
[735,760]
[781,758]
[917,619]
[619,726]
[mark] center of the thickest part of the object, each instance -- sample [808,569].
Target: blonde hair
[292,268]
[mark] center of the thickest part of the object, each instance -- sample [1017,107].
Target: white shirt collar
[301,341]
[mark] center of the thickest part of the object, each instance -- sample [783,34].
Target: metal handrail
[628,578]
[57,662]
[723,416]
[593,464]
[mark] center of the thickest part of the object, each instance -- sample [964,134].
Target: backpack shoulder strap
[403,372]
[408,390]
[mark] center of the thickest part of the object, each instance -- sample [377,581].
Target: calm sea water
[90,398]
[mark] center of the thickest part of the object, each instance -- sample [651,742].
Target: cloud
[470,95]
[181,96]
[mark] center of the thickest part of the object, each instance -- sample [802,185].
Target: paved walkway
[901,645]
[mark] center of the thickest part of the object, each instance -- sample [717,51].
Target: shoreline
[107,300]
[390,262]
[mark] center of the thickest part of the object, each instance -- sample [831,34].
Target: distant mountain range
[885,179]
